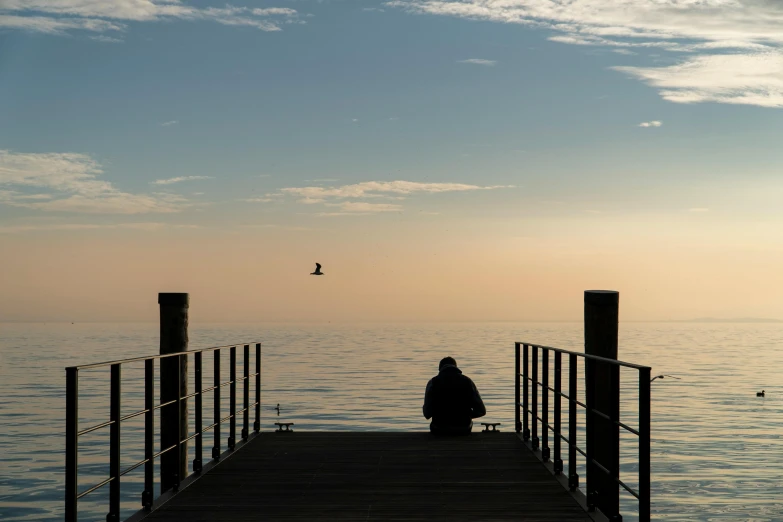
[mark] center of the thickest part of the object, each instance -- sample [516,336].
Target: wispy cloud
[654,123]
[361,206]
[279,227]
[274,11]
[15,229]
[106,39]
[68,182]
[727,51]
[266,198]
[479,61]
[344,197]
[178,179]
[258,200]
[333,214]
[23,197]
[374,189]
[53,25]
[99,16]
[169,123]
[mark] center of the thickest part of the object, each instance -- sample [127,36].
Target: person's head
[447,361]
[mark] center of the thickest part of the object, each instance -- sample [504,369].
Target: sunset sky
[443,160]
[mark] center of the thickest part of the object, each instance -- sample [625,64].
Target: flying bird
[662,376]
[317,270]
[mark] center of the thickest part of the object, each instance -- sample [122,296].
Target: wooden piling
[173,385]
[602,387]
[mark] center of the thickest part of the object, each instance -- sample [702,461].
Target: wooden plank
[376,476]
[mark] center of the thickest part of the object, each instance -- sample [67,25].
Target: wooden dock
[375,476]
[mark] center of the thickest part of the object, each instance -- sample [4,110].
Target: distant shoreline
[747,320]
[735,320]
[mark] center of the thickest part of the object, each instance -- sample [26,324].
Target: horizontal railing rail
[529,418]
[72,431]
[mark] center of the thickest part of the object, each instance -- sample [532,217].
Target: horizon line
[410,321]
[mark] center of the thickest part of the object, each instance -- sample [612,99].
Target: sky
[475,160]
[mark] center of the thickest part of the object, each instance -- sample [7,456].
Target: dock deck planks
[376,476]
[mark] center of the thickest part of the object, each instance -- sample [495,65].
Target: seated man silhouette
[452,401]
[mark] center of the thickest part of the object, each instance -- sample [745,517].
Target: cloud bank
[729,51]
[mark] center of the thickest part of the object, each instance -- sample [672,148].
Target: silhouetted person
[452,400]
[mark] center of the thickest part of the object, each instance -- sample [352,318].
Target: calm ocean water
[717,452]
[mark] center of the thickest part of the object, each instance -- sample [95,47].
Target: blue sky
[523,117]
[349,92]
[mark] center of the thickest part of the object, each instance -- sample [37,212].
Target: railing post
[71,442]
[114,444]
[534,389]
[591,474]
[197,463]
[216,407]
[148,494]
[614,415]
[257,423]
[246,393]
[232,430]
[573,476]
[525,401]
[558,431]
[644,445]
[180,460]
[173,386]
[601,313]
[517,422]
[544,404]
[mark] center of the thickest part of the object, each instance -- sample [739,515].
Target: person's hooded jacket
[452,399]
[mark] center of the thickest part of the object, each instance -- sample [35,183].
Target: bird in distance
[662,376]
[317,270]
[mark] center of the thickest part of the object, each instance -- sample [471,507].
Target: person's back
[452,400]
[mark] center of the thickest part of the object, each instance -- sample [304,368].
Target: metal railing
[72,431]
[532,416]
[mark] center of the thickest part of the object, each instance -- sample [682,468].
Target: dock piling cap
[602,297]
[174,299]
